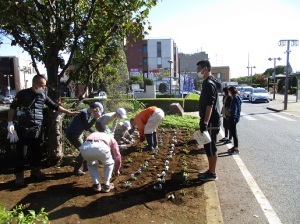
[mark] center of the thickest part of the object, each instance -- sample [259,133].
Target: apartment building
[15,74]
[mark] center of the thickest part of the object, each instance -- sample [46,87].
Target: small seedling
[133,177]
[129,160]
[182,192]
[127,185]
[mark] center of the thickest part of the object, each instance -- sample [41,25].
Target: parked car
[101,95]
[259,95]
[8,99]
[245,92]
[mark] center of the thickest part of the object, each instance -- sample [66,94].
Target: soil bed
[177,198]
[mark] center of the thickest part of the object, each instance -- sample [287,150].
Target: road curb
[273,109]
[213,208]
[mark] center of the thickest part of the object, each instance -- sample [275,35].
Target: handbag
[227,112]
[32,132]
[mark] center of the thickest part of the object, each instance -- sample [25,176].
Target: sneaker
[233,151]
[201,173]
[96,187]
[79,172]
[208,176]
[223,140]
[107,188]
[227,141]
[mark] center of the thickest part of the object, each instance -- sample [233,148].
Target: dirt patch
[177,197]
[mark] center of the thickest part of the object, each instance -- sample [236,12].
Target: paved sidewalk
[293,105]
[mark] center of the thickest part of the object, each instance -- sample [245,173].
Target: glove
[10,127]
[203,127]
[13,137]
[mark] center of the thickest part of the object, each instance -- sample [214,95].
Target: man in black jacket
[29,129]
[210,116]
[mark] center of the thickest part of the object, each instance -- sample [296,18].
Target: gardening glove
[10,127]
[13,137]
[203,127]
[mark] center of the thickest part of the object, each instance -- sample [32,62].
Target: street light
[251,73]
[170,61]
[283,43]
[274,74]
[8,83]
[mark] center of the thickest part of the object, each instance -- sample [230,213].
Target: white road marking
[266,117]
[248,117]
[280,116]
[259,195]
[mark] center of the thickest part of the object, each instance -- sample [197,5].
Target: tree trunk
[55,150]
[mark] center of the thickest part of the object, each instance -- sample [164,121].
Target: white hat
[122,112]
[126,124]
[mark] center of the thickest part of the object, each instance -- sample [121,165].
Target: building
[15,74]
[188,62]
[156,59]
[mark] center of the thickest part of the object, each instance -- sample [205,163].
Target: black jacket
[31,107]
[210,97]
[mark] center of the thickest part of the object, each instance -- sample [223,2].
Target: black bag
[32,132]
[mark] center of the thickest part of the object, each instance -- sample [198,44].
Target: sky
[229,31]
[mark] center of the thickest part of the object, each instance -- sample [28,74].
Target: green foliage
[193,96]
[136,79]
[17,215]
[148,82]
[191,103]
[162,87]
[83,29]
[161,103]
[175,121]
[164,96]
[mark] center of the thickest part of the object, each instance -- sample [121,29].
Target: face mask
[200,75]
[40,90]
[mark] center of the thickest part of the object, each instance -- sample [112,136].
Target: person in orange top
[147,122]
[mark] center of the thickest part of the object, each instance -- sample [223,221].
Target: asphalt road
[261,185]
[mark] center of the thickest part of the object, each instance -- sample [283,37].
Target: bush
[162,87]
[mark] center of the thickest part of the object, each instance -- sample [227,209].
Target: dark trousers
[233,131]
[226,125]
[26,146]
[210,148]
[77,141]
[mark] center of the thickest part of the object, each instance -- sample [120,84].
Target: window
[145,48]
[145,61]
[158,47]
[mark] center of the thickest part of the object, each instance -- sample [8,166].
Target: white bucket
[202,138]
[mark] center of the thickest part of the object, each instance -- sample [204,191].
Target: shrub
[162,87]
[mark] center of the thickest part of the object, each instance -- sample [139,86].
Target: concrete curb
[213,208]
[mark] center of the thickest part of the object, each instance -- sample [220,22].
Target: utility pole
[282,43]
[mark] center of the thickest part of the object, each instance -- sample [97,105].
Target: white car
[100,95]
[245,92]
[8,99]
[259,95]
